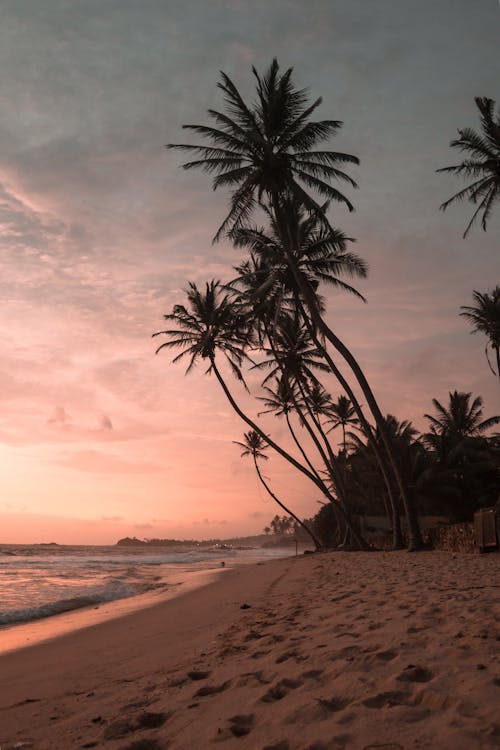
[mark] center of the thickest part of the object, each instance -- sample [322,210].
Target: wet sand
[362,651]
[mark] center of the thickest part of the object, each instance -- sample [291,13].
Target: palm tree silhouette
[254,445]
[266,153]
[214,322]
[281,400]
[268,147]
[485,318]
[483,166]
[462,418]
[342,413]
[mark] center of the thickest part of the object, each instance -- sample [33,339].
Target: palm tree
[462,418]
[485,318]
[320,254]
[295,358]
[214,322]
[254,445]
[342,413]
[282,401]
[268,147]
[266,284]
[483,166]
[266,153]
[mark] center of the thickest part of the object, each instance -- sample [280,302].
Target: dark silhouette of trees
[462,418]
[269,155]
[271,318]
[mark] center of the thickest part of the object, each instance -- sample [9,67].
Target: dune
[369,651]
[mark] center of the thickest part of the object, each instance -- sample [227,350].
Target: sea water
[42,580]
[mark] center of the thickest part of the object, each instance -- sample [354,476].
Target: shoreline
[26,634]
[336,650]
[177,577]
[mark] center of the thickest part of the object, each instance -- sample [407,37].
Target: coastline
[176,579]
[28,634]
[346,650]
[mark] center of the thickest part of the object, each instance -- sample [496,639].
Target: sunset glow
[101,231]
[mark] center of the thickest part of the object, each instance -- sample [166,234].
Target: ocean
[40,581]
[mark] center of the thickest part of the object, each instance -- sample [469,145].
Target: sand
[345,650]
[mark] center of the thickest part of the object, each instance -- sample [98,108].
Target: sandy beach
[342,650]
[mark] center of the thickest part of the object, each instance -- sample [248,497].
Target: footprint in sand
[212,689]
[198,675]
[146,720]
[241,724]
[253,635]
[312,674]
[388,698]
[386,655]
[253,678]
[147,745]
[285,656]
[258,654]
[276,638]
[282,688]
[332,705]
[321,710]
[411,673]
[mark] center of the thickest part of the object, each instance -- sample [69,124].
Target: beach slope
[358,651]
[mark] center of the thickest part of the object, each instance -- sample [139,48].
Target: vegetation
[272,319]
[484,317]
[255,446]
[483,164]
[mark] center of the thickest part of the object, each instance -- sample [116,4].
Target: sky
[101,230]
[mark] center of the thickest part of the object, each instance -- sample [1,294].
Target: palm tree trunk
[299,446]
[397,538]
[358,539]
[316,541]
[329,461]
[284,374]
[330,464]
[289,241]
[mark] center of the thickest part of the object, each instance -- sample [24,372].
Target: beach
[333,650]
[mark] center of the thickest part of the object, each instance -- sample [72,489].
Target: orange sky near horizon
[101,231]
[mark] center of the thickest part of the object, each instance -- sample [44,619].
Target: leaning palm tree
[462,418]
[484,316]
[254,445]
[282,400]
[266,284]
[483,164]
[269,154]
[213,322]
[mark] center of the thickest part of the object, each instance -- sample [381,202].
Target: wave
[115,560]
[115,589]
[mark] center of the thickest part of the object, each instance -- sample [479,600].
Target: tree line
[271,318]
